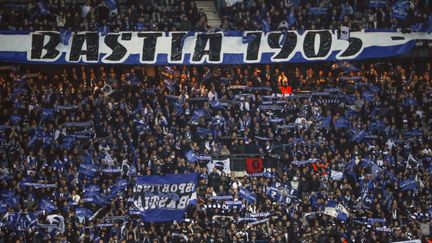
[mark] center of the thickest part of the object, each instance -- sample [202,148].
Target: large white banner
[166,48]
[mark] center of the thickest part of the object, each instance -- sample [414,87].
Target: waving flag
[222,165]
[112,4]
[198,113]
[342,123]
[47,205]
[203,132]
[408,184]
[336,210]
[26,221]
[248,38]
[65,36]
[88,170]
[119,186]
[276,194]
[247,195]
[164,198]
[400,9]
[377,3]
[83,213]
[191,156]
[47,113]
[291,19]
[42,8]
[317,11]
[265,26]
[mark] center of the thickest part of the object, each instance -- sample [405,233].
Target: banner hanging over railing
[164,48]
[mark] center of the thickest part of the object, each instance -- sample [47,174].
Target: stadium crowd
[171,15]
[103,16]
[355,134]
[302,15]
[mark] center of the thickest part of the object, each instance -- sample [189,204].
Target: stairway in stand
[210,10]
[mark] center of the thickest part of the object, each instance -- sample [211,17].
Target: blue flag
[342,123]
[400,9]
[47,113]
[98,199]
[112,4]
[336,210]
[368,201]
[88,170]
[47,206]
[265,27]
[164,198]
[65,36]
[377,3]
[291,19]
[3,207]
[247,195]
[83,213]
[26,221]
[203,132]
[91,190]
[408,184]
[42,7]
[68,142]
[198,113]
[191,156]
[317,11]
[169,84]
[119,186]
[104,29]
[248,38]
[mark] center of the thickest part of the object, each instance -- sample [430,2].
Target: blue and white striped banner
[164,48]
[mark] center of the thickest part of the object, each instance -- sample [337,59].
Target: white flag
[345,33]
[220,165]
[336,175]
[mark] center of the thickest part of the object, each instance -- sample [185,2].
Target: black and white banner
[202,48]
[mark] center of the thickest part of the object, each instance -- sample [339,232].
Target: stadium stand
[154,121]
[68,139]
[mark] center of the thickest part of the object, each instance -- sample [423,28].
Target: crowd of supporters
[328,14]
[103,16]
[355,134]
[170,15]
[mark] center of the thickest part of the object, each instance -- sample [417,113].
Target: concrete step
[209,9]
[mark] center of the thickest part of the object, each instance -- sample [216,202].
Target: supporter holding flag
[402,8]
